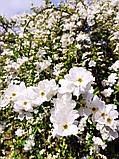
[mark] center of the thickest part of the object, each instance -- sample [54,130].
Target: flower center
[83,104]
[65,126]
[25,103]
[94,109]
[13,94]
[109,120]
[79,80]
[103,115]
[42,93]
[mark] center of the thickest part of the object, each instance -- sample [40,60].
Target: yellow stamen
[109,120]
[25,103]
[13,94]
[80,80]
[103,115]
[94,109]
[65,126]
[42,93]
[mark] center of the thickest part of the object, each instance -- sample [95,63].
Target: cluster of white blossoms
[63,116]
[11,65]
[23,98]
[111,80]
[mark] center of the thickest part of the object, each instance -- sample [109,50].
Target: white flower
[4,102]
[98,141]
[100,115]
[22,60]
[64,102]
[99,126]
[95,104]
[45,91]
[66,40]
[13,91]
[92,63]
[87,136]
[84,109]
[110,119]
[82,36]
[23,104]
[108,134]
[68,26]
[57,69]
[23,113]
[19,132]
[66,86]
[21,35]
[108,125]
[30,95]
[115,66]
[78,46]
[7,52]
[79,23]
[42,151]
[112,78]
[112,135]
[82,123]
[63,116]
[29,144]
[102,156]
[64,124]
[107,92]
[104,133]
[43,65]
[105,83]
[80,78]
[111,107]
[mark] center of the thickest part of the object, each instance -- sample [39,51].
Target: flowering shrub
[59,80]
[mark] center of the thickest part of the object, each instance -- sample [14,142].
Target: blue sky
[9,8]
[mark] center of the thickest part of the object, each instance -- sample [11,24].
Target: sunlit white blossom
[29,144]
[115,66]
[63,106]
[45,91]
[19,132]
[107,92]
[80,78]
